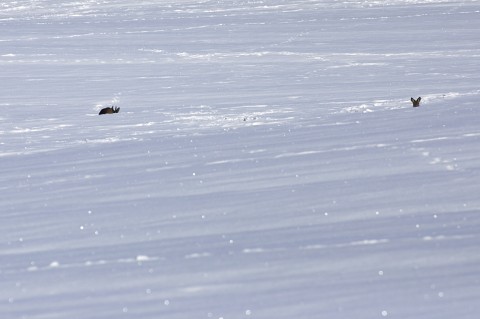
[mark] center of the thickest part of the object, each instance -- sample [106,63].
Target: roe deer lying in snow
[416,102]
[109,110]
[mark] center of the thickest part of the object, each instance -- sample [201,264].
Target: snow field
[266,161]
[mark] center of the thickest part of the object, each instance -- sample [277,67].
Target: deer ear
[419,98]
[411,99]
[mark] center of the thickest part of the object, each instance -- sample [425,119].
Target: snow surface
[266,161]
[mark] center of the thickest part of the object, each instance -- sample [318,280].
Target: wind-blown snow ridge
[142,259]
[427,99]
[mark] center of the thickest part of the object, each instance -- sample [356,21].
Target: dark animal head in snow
[109,110]
[416,102]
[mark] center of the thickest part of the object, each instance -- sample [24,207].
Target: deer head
[109,110]
[416,102]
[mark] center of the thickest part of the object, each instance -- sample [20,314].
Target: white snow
[266,161]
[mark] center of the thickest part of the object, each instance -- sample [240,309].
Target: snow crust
[266,161]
